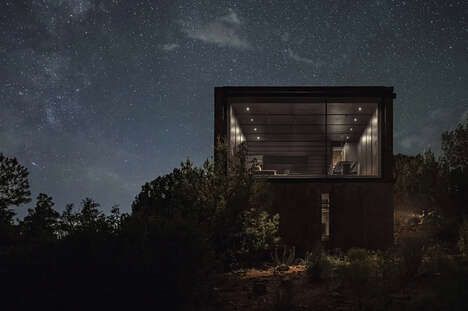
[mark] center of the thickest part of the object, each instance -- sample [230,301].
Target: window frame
[383,97]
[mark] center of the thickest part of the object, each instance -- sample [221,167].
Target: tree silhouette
[455,162]
[14,190]
[41,222]
[227,204]
[14,186]
[90,218]
[455,146]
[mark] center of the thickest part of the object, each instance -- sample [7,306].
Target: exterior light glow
[350,129]
[347,137]
[355,120]
[247,108]
[255,129]
[359,109]
[251,119]
[258,137]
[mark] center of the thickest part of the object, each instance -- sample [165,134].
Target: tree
[68,221]
[90,218]
[455,163]
[115,219]
[14,191]
[418,174]
[226,203]
[41,223]
[455,146]
[14,187]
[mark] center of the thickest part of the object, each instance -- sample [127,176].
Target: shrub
[283,261]
[259,234]
[388,270]
[232,208]
[463,238]
[411,251]
[360,273]
[434,259]
[318,265]
[448,290]
[284,296]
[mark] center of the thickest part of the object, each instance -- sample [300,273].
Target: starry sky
[98,97]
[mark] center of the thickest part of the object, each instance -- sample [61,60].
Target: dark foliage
[455,162]
[163,255]
[41,223]
[437,189]
[14,191]
[196,221]
[231,210]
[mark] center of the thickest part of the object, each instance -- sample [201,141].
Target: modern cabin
[327,152]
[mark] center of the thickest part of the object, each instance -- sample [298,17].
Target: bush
[360,274]
[448,289]
[150,263]
[260,234]
[232,208]
[284,296]
[283,261]
[411,251]
[463,238]
[318,265]
[434,259]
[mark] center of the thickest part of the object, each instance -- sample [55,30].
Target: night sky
[98,97]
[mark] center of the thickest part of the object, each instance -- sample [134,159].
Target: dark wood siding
[361,214]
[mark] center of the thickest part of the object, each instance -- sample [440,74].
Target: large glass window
[291,137]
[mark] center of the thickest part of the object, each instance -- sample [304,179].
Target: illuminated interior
[290,137]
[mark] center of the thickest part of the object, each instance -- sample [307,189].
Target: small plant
[318,266]
[282,263]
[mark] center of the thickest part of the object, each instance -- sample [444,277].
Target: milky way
[98,97]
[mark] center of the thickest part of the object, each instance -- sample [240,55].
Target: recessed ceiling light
[251,119]
[247,108]
[258,137]
[255,129]
[350,129]
[359,109]
[355,120]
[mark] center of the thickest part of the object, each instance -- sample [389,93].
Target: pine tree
[14,187]
[41,223]
[14,191]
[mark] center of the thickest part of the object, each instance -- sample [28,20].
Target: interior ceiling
[299,128]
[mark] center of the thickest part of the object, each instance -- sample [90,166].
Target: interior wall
[350,152]
[236,136]
[367,148]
